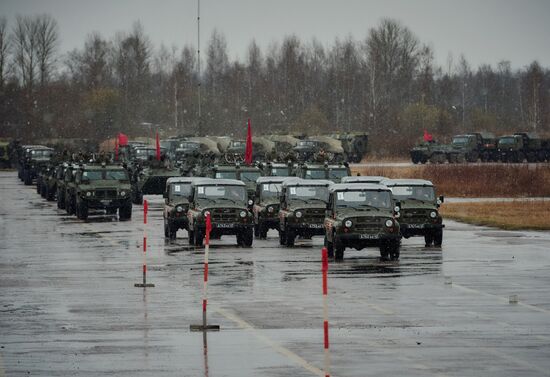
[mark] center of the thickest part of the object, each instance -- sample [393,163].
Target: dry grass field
[514,215]
[503,180]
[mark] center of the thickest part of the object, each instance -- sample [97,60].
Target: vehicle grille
[225,215]
[415,215]
[367,223]
[105,194]
[314,215]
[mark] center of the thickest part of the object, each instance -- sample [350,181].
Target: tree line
[386,84]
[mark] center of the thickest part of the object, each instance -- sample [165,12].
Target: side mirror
[441,198]
[165,195]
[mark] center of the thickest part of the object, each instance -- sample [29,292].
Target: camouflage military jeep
[362,215]
[419,209]
[176,204]
[266,205]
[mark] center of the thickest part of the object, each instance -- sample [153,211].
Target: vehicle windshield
[44,153]
[189,145]
[226,174]
[238,144]
[180,189]
[305,143]
[358,199]
[425,193]
[236,194]
[144,154]
[110,175]
[250,176]
[270,190]
[337,173]
[279,172]
[308,193]
[507,141]
[315,174]
[460,140]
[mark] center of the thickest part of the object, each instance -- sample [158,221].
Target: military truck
[316,148]
[148,175]
[34,159]
[101,187]
[266,205]
[419,215]
[284,146]
[176,204]
[433,152]
[277,169]
[302,209]
[361,215]
[521,146]
[471,147]
[332,172]
[225,200]
[354,144]
[363,179]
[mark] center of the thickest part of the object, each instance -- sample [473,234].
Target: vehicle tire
[125,212]
[438,238]
[289,239]
[247,238]
[83,211]
[338,248]
[38,187]
[27,178]
[199,237]
[191,237]
[60,200]
[69,206]
[256,230]
[166,230]
[428,239]
[282,238]
[330,247]
[263,231]
[43,191]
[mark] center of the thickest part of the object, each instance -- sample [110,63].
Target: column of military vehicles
[484,147]
[299,195]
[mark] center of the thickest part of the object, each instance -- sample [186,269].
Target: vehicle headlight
[438,202]
[88,193]
[348,223]
[242,214]
[250,202]
[298,214]
[179,209]
[270,209]
[433,214]
[123,193]
[396,209]
[389,223]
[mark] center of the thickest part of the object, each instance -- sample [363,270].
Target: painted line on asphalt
[500,298]
[277,347]
[380,309]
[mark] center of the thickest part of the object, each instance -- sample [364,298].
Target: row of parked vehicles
[356,213]
[248,201]
[484,147]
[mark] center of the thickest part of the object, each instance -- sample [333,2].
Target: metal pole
[199,61]
[325,312]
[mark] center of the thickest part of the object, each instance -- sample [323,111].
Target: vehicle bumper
[307,229]
[359,240]
[107,203]
[228,228]
[179,222]
[270,223]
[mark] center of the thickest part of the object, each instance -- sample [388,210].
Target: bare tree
[25,50]
[47,38]
[4,49]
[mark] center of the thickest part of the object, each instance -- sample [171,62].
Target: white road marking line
[277,347]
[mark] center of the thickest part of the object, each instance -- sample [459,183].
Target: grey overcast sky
[486,31]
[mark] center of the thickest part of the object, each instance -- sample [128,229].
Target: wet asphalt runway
[68,305]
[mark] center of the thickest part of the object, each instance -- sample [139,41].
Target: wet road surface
[68,305]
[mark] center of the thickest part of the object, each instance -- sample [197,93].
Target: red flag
[208,227]
[427,136]
[158,147]
[122,139]
[116,149]
[248,150]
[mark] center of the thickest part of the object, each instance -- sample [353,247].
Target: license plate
[416,226]
[316,226]
[105,202]
[225,225]
[368,236]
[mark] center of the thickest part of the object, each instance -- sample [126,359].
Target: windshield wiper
[231,200]
[366,206]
